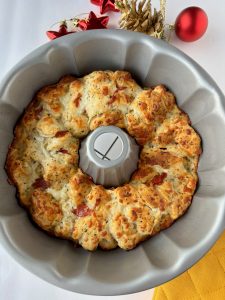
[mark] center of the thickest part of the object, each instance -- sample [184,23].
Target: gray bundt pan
[172,251]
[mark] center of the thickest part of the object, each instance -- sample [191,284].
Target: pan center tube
[109,155]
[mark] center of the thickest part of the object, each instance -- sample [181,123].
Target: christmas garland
[139,16]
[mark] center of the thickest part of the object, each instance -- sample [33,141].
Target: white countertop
[22,29]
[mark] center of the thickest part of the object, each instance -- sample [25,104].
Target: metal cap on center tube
[109,155]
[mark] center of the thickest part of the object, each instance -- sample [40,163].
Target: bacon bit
[82,211]
[61,133]
[113,98]
[158,179]
[104,233]
[143,105]
[163,160]
[187,190]
[40,183]
[161,205]
[105,90]
[188,131]
[77,100]
[100,226]
[119,234]
[184,143]
[64,151]
[134,215]
[97,202]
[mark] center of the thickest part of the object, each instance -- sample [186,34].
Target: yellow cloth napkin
[204,281]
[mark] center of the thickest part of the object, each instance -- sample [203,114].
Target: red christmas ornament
[93,22]
[191,24]
[52,35]
[105,5]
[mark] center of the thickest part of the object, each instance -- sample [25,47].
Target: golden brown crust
[43,160]
[46,212]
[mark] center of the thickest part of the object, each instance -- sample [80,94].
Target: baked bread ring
[43,160]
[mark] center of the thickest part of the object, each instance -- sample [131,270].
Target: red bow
[93,22]
[105,5]
[56,34]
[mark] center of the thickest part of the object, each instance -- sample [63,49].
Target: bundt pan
[169,253]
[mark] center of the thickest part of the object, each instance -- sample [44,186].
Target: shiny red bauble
[191,24]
